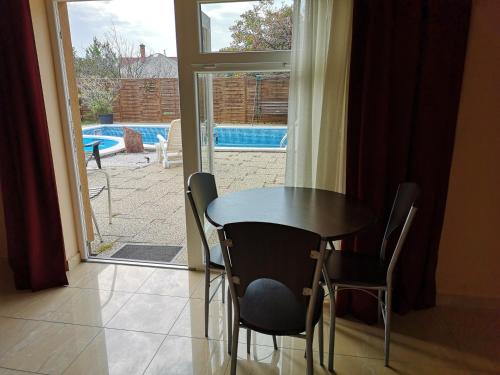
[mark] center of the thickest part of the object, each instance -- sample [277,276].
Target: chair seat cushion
[347,267]
[216,259]
[269,307]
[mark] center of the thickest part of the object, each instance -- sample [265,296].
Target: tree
[129,62]
[101,60]
[100,70]
[264,27]
[98,94]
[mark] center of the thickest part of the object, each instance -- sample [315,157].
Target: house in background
[156,65]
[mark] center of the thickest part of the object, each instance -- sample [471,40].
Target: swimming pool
[226,137]
[249,137]
[148,131]
[108,145]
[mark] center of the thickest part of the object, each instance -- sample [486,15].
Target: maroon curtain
[406,71]
[34,234]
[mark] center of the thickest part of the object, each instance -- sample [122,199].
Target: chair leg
[223,286]
[207,297]
[387,338]
[229,321]
[249,339]
[331,348]
[275,343]
[110,214]
[108,182]
[309,350]
[234,345]
[95,224]
[380,306]
[320,334]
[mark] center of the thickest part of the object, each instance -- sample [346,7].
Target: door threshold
[138,263]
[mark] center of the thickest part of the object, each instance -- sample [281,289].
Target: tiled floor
[117,319]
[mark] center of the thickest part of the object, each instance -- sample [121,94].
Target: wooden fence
[236,100]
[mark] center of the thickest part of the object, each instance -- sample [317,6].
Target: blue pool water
[224,136]
[105,143]
[148,133]
[248,137]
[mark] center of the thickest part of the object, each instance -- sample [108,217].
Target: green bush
[101,107]
[98,94]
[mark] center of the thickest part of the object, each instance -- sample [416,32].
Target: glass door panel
[232,124]
[242,122]
[205,121]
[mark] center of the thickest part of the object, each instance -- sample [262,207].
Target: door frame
[74,155]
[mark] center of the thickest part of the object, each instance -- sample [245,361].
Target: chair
[95,191]
[170,149]
[349,270]
[201,191]
[273,273]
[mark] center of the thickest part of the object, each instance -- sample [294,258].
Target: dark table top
[331,215]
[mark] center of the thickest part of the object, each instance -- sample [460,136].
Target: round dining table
[332,215]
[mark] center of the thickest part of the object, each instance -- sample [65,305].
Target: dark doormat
[152,253]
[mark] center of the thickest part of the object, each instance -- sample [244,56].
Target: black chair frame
[401,216]
[312,291]
[209,188]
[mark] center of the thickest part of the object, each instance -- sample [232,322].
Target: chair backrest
[94,154]
[272,251]
[401,217]
[201,190]
[174,138]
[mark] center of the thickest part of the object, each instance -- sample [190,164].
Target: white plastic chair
[170,149]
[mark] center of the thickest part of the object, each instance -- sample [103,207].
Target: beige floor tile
[188,356]
[6,371]
[34,305]
[349,365]
[285,342]
[418,369]
[200,290]
[477,332]
[414,339]
[175,283]
[116,277]
[442,340]
[191,322]
[90,307]
[266,360]
[423,337]
[117,352]
[84,269]
[41,346]
[149,313]
[431,354]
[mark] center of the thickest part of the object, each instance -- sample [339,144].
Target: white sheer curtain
[321,48]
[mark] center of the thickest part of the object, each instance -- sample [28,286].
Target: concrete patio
[148,200]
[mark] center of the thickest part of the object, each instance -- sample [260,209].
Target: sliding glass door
[233,93]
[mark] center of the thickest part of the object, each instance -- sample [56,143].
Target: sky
[151,22]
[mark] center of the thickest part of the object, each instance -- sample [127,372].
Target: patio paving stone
[120,226]
[161,231]
[148,200]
